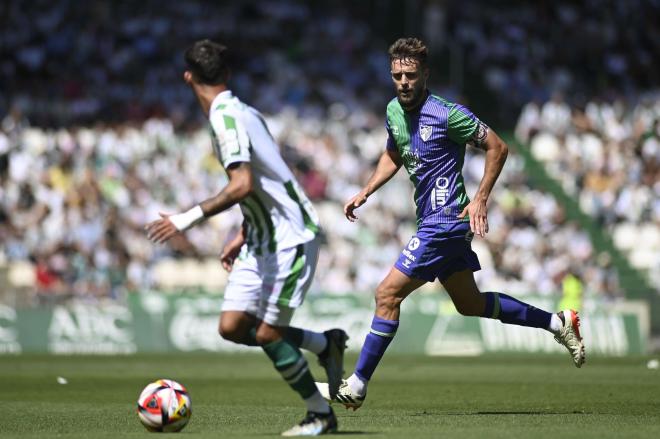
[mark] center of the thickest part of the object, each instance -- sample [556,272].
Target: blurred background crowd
[99,134]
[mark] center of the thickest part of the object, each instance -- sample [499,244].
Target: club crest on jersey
[425,132]
[395,130]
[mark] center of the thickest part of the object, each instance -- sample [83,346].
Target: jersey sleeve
[233,143]
[390,144]
[464,127]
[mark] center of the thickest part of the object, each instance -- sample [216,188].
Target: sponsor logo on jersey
[406,263]
[425,132]
[412,160]
[440,192]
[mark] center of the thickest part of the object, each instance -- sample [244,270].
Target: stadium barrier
[152,322]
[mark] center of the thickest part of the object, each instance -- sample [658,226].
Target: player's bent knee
[468,309]
[231,331]
[267,334]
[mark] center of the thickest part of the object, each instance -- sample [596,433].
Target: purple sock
[513,311]
[379,338]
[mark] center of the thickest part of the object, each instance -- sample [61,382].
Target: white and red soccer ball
[164,405]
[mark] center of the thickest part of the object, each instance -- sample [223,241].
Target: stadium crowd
[524,51]
[607,155]
[99,133]
[75,202]
[69,62]
[75,62]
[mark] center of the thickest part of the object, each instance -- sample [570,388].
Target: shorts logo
[408,255]
[407,252]
[425,132]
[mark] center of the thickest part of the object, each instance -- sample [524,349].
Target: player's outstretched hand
[478,216]
[355,202]
[161,230]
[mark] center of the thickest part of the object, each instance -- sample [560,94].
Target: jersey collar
[418,108]
[222,96]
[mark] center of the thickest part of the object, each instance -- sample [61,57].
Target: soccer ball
[164,405]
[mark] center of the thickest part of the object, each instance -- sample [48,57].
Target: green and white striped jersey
[277,213]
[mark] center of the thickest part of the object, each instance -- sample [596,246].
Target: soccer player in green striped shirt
[273,258]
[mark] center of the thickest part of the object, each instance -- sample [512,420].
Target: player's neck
[207,93]
[414,107]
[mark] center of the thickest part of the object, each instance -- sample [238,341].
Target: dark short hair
[207,60]
[409,49]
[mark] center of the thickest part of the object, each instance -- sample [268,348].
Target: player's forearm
[229,196]
[385,170]
[496,154]
[239,186]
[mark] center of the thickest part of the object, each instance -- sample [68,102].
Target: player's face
[410,82]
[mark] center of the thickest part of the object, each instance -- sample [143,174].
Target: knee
[231,331]
[267,334]
[470,309]
[387,298]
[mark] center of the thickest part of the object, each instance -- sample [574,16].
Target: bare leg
[390,293]
[465,294]
[238,326]
[470,302]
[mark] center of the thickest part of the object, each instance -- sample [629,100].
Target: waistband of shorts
[443,218]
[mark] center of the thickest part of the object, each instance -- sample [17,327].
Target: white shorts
[271,286]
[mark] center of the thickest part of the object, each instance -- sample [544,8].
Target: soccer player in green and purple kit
[427,135]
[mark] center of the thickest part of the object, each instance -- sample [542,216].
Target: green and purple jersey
[431,142]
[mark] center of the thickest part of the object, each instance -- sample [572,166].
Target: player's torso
[277,212]
[432,160]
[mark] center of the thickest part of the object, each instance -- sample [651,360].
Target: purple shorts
[438,251]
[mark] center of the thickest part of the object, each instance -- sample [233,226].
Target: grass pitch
[238,396]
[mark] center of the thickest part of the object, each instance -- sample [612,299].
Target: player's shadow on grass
[522,412]
[503,412]
[342,432]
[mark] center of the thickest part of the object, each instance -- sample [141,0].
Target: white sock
[314,341]
[317,404]
[357,384]
[555,324]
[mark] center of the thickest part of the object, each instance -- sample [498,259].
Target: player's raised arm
[239,187]
[388,165]
[496,154]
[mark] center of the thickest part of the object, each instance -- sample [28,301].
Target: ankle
[555,324]
[357,384]
[317,404]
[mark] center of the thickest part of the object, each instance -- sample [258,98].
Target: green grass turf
[410,397]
